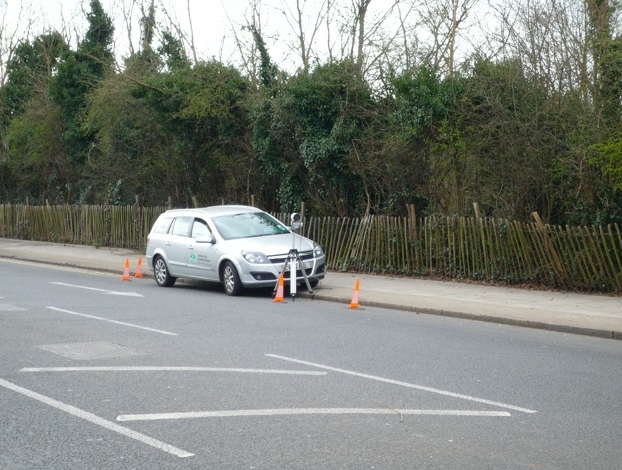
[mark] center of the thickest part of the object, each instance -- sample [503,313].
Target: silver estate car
[237,246]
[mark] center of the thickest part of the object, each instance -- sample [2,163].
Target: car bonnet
[269,245]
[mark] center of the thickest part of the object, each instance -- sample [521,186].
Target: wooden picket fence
[101,225]
[482,249]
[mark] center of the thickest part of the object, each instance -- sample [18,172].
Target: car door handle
[191,247]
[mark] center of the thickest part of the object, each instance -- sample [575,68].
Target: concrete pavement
[587,314]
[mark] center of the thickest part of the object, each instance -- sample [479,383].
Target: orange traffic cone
[126,271]
[280,290]
[354,303]
[139,267]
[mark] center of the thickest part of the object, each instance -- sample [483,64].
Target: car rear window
[162,225]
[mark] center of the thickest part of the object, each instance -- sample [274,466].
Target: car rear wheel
[231,279]
[160,272]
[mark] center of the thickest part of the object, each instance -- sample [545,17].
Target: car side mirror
[205,239]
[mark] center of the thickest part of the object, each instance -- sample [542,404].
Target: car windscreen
[248,224]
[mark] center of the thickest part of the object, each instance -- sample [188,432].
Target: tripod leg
[304,274]
[292,280]
[300,263]
[282,273]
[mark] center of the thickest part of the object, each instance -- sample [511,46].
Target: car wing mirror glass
[206,239]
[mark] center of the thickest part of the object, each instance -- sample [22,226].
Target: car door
[177,246]
[202,261]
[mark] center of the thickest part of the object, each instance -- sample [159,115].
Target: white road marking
[11,308]
[307,411]
[112,321]
[171,369]
[52,266]
[405,384]
[111,426]
[111,292]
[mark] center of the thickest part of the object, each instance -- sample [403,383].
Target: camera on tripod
[296,221]
[293,263]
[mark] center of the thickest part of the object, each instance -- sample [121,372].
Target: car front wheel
[231,279]
[160,272]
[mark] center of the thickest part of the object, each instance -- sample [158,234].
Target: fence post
[412,216]
[482,234]
[559,269]
[478,214]
[138,223]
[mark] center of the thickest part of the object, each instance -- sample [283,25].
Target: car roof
[215,211]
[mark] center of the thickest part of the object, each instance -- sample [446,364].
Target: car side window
[162,225]
[181,226]
[200,229]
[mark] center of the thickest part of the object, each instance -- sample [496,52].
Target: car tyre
[160,272]
[231,279]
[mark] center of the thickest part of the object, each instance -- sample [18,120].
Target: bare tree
[552,40]
[174,25]
[128,12]
[444,20]
[191,39]
[244,43]
[407,36]
[297,22]
[12,31]
[365,33]
[382,39]
[358,33]
[329,45]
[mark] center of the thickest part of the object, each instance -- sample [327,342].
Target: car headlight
[317,250]
[255,257]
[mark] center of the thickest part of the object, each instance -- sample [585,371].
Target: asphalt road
[96,373]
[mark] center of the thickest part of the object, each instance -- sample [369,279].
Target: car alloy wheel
[231,279]
[161,274]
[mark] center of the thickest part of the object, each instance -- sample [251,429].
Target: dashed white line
[171,369]
[104,291]
[404,384]
[112,321]
[307,411]
[85,415]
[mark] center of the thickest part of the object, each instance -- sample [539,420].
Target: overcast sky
[214,23]
[211,21]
